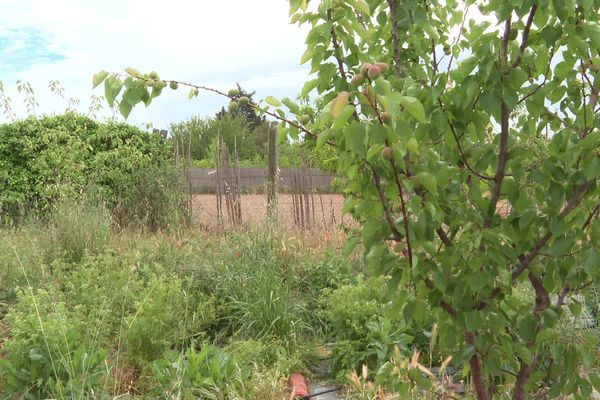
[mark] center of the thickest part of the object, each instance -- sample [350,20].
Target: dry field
[327,209]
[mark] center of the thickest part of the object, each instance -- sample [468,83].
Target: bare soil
[327,209]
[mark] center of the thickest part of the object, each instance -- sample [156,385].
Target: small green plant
[261,306]
[360,320]
[209,374]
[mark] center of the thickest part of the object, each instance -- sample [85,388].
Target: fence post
[272,175]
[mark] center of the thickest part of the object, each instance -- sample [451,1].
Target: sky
[215,43]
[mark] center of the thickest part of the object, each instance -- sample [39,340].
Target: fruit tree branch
[523,46]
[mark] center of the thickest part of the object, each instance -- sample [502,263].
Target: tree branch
[523,46]
[337,53]
[464,157]
[384,203]
[396,39]
[477,370]
[590,217]
[574,202]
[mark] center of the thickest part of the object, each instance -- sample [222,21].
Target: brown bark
[477,377]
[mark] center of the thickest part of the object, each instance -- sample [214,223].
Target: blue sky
[215,43]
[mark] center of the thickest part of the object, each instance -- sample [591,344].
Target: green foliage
[472,123]
[150,197]
[51,158]
[166,315]
[359,319]
[51,354]
[209,374]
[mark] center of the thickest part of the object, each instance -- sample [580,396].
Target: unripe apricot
[357,80]
[383,67]
[365,69]
[387,153]
[244,100]
[304,119]
[374,72]
[386,117]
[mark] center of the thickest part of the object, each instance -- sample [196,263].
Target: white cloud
[205,42]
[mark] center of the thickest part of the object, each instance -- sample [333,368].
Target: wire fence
[254,180]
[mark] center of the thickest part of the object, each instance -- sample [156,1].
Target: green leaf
[99,78]
[595,380]
[193,93]
[125,108]
[338,105]
[324,137]
[414,107]
[133,72]
[593,33]
[350,245]
[527,328]
[363,7]
[347,112]
[308,54]
[561,7]
[273,101]
[546,335]
[412,145]
[294,108]
[308,87]
[112,88]
[356,139]
[427,180]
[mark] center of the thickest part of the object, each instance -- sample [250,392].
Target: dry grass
[327,209]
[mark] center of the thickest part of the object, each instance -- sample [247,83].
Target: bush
[359,319]
[47,159]
[150,197]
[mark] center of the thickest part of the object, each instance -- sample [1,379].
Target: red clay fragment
[297,385]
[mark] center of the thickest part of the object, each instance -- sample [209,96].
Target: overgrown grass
[89,310]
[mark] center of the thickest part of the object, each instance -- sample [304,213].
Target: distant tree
[233,129]
[200,130]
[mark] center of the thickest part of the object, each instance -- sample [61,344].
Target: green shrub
[102,291]
[50,353]
[358,316]
[208,374]
[51,158]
